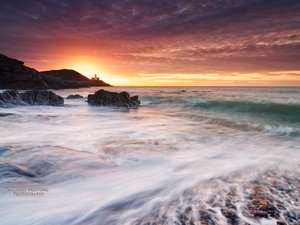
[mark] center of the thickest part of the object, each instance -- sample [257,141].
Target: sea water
[177,159]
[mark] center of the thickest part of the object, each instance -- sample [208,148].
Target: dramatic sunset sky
[158,42]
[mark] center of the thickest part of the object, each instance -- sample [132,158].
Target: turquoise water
[103,165]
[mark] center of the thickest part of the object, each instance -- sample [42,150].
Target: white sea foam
[116,166]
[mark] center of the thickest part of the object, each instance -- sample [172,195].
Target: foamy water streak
[183,152]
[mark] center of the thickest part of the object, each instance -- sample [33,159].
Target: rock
[15,75]
[8,98]
[263,206]
[261,214]
[231,216]
[65,78]
[11,98]
[206,218]
[229,204]
[76,96]
[229,213]
[255,202]
[281,222]
[107,98]
[273,211]
[42,98]
[280,206]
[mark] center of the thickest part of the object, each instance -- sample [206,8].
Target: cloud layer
[142,37]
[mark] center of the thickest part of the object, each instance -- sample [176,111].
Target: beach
[187,155]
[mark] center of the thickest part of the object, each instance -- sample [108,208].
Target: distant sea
[188,155]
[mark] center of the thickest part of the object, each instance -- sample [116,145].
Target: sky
[158,42]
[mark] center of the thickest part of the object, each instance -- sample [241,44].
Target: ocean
[187,155]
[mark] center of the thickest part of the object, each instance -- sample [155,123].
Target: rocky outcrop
[107,98]
[63,79]
[76,96]
[15,75]
[12,98]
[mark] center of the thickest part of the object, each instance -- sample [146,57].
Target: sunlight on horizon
[110,73]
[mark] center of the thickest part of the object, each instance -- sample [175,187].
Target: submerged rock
[107,98]
[76,96]
[11,98]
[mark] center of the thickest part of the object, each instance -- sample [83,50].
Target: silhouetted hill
[65,78]
[15,75]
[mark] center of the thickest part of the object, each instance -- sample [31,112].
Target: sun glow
[88,70]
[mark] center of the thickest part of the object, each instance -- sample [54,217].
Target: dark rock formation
[11,98]
[15,75]
[76,96]
[107,98]
[42,98]
[63,79]
[261,204]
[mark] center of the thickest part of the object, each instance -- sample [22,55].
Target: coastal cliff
[15,75]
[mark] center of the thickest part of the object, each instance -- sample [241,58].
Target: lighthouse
[95,77]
